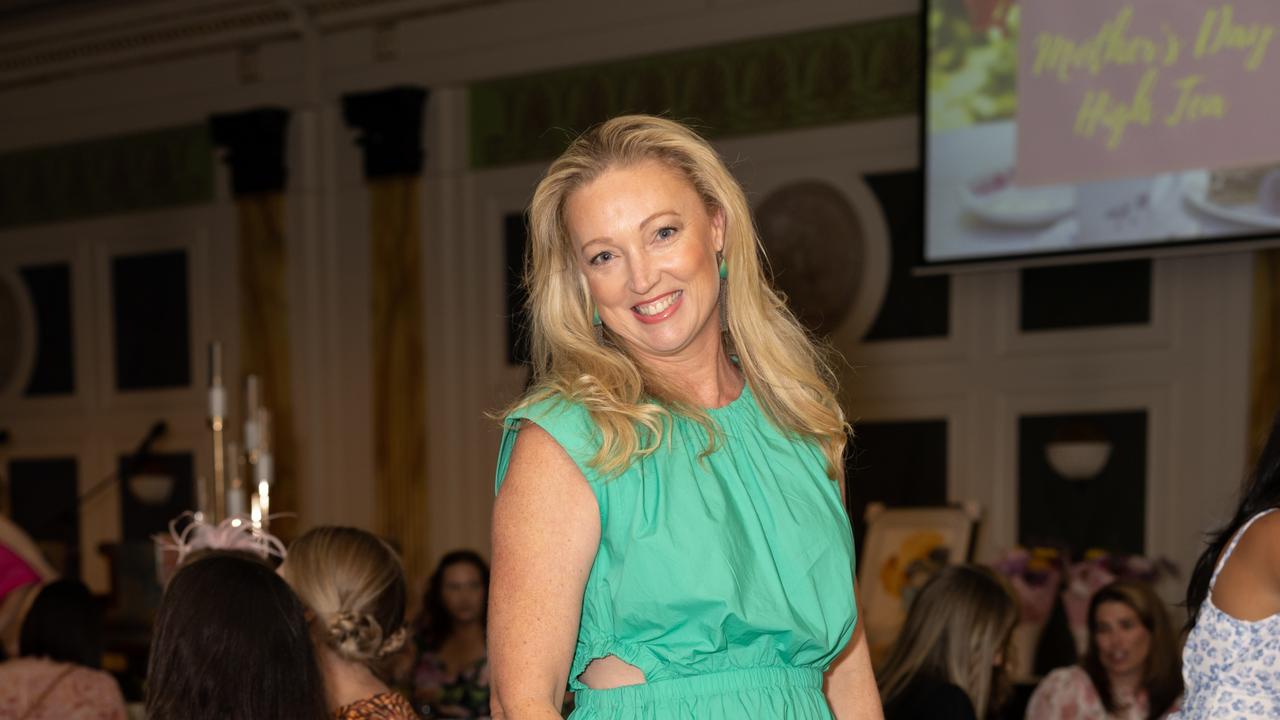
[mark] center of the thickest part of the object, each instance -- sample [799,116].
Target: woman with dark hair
[231,641]
[1233,605]
[1130,669]
[451,678]
[60,648]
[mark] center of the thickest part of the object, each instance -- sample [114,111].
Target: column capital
[254,146]
[390,126]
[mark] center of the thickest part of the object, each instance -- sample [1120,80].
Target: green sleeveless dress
[727,580]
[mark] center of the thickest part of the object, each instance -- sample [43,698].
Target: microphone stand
[143,451]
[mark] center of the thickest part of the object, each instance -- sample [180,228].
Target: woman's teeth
[658,306]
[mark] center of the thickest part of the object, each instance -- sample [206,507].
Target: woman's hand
[546,530]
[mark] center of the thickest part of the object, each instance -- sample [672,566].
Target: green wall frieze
[127,173]
[836,75]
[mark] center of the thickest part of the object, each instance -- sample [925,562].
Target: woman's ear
[717,228]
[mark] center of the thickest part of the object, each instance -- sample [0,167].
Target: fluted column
[253,144]
[389,124]
[1264,371]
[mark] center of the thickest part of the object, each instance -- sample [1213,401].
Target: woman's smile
[660,309]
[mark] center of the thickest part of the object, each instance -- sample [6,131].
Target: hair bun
[394,641]
[355,636]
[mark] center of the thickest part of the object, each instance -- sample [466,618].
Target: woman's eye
[601,257]
[666,233]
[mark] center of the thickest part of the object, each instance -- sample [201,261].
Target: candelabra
[237,467]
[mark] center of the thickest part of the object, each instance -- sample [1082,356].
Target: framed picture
[904,547]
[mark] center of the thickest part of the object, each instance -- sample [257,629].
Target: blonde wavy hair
[959,625]
[354,584]
[787,372]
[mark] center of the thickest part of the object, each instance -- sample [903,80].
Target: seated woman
[354,587]
[231,641]
[950,660]
[60,648]
[23,570]
[451,678]
[1130,669]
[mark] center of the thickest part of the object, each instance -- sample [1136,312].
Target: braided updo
[354,585]
[360,637]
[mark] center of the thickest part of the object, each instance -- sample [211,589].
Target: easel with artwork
[904,547]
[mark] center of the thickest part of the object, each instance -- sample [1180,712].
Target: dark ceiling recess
[44,10]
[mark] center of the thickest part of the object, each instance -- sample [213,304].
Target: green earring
[724,294]
[597,327]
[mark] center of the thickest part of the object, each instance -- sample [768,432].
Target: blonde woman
[951,659]
[353,587]
[669,537]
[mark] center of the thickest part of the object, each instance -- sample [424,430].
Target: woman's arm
[546,529]
[850,683]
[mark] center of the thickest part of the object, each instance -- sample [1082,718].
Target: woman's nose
[644,274]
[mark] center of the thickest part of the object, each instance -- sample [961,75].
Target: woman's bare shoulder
[541,473]
[1248,587]
[537,451]
[1260,544]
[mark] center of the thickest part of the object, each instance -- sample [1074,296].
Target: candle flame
[255,511]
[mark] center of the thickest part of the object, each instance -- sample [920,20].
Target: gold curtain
[1264,371]
[399,367]
[264,335]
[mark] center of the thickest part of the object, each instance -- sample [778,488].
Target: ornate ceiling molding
[851,73]
[46,47]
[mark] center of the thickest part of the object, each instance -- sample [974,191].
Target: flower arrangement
[1036,576]
[1041,575]
[1130,567]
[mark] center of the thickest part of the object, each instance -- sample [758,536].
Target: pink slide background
[1048,149]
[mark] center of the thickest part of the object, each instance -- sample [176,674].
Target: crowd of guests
[953,656]
[325,635]
[329,636]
